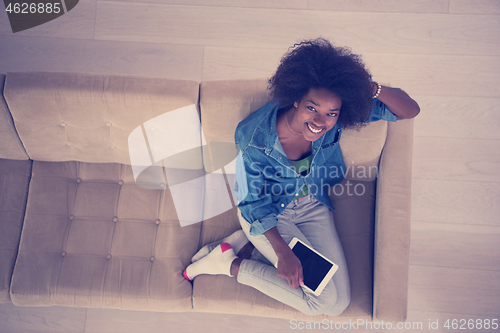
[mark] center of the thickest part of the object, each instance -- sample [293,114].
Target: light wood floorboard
[475,6]
[458,202]
[458,117]
[17,319]
[427,75]
[107,320]
[28,53]
[457,159]
[388,6]
[452,245]
[454,290]
[249,27]
[233,63]
[438,75]
[276,4]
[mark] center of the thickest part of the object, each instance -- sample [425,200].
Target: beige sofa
[77,228]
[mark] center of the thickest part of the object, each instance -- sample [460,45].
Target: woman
[318,90]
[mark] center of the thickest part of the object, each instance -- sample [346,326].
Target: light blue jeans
[311,222]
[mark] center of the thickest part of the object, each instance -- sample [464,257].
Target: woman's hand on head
[399,102]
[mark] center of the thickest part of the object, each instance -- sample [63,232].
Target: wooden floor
[445,53]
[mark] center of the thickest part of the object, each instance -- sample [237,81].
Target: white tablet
[316,268]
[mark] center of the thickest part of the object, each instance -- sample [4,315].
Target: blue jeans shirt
[266,182]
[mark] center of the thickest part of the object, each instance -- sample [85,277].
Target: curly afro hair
[318,64]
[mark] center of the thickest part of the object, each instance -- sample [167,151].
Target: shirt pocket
[328,149]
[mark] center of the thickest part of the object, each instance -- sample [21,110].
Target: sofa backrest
[10,146]
[88,118]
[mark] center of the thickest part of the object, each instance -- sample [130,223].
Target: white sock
[216,262]
[237,240]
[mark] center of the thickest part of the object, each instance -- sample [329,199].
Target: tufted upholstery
[93,238]
[88,118]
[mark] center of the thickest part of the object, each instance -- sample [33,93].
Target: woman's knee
[323,302]
[339,307]
[331,301]
[342,300]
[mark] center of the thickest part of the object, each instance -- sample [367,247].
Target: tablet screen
[314,267]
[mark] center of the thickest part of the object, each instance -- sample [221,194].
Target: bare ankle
[246,251]
[235,267]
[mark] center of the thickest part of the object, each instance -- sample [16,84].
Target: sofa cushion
[11,146]
[361,150]
[93,238]
[223,104]
[85,117]
[14,179]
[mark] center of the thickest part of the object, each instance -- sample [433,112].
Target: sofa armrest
[392,224]
[15,177]
[11,146]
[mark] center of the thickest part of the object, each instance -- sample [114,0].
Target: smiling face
[316,113]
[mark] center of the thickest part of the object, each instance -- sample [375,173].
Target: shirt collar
[272,141]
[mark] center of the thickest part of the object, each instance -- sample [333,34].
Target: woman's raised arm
[399,102]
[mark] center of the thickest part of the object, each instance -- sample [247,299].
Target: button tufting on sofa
[72,217]
[157,221]
[63,124]
[64,253]
[110,263]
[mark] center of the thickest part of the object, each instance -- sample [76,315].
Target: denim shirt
[266,182]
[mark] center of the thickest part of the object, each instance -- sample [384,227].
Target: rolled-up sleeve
[381,112]
[258,227]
